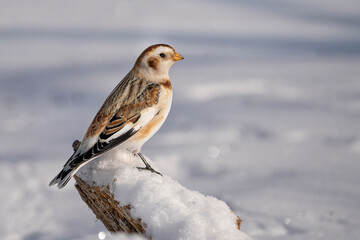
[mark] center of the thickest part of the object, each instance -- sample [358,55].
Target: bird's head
[155,61]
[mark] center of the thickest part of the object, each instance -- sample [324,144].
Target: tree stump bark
[115,217]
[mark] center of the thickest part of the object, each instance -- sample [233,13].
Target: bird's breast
[162,108]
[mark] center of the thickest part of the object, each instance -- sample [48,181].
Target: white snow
[265,114]
[169,210]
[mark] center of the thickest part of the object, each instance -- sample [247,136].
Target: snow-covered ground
[265,114]
[169,210]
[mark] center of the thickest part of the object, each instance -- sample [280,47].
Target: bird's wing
[126,121]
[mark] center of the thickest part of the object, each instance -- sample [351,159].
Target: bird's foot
[147,165]
[149,169]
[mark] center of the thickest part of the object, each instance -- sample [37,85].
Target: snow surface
[265,113]
[169,210]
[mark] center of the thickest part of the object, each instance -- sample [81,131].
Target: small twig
[76,145]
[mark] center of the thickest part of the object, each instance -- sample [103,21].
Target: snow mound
[170,210]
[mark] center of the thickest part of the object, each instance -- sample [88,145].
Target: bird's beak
[177,57]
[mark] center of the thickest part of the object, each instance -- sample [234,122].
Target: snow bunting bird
[132,113]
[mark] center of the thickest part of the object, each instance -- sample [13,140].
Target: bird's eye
[162,55]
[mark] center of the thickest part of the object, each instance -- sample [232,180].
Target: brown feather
[153,63]
[146,95]
[166,84]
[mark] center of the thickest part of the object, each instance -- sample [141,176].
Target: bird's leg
[147,165]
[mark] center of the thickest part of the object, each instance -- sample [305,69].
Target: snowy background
[265,116]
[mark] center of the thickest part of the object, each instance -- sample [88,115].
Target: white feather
[87,144]
[146,115]
[122,131]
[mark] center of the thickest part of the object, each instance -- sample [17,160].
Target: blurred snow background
[265,114]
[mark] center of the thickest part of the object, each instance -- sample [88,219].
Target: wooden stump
[115,217]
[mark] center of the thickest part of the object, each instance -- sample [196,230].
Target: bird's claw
[149,169]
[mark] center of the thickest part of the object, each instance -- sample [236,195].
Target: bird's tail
[69,169]
[64,176]
[74,163]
